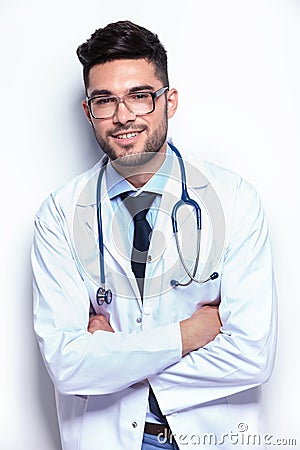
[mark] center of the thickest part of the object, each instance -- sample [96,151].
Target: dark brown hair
[123,40]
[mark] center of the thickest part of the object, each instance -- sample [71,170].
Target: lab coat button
[134,424]
[139,320]
[147,310]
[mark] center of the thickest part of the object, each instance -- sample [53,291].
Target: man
[168,363]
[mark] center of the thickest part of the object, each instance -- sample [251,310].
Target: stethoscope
[105,295]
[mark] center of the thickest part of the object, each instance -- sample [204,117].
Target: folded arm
[196,331]
[242,356]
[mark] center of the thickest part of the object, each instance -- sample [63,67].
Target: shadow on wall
[88,149]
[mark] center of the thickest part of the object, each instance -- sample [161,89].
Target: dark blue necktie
[138,208]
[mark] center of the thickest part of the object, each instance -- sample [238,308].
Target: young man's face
[125,134]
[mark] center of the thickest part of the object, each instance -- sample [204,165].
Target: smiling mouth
[127,135]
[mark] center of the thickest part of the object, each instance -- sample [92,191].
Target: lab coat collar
[194,171]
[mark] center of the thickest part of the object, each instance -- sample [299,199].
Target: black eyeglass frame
[155,95]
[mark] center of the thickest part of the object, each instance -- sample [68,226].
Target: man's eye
[104,100]
[140,96]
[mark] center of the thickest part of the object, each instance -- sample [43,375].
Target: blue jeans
[151,442]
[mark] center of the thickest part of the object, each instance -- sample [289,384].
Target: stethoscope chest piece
[103,295]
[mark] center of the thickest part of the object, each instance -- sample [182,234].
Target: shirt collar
[195,175]
[116,184]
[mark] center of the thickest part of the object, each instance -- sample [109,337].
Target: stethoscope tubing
[102,295]
[99,222]
[105,295]
[185,198]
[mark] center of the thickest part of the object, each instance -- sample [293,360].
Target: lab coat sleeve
[242,356]
[80,362]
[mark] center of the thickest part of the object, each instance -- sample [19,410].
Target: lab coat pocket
[195,294]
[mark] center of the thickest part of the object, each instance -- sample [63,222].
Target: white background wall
[236,65]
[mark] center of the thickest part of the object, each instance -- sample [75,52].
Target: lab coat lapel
[115,237]
[163,232]
[114,229]
[163,244]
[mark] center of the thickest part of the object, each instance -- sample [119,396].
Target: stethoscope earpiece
[213,276]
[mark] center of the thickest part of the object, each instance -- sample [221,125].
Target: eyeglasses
[138,103]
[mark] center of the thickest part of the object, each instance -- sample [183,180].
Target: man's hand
[99,322]
[200,329]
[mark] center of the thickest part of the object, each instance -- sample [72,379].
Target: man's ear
[86,110]
[172,102]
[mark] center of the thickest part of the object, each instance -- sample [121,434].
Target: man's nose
[123,114]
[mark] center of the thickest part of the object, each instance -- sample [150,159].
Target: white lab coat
[101,379]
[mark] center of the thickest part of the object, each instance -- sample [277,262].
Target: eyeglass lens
[137,103]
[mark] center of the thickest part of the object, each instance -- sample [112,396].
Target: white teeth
[127,136]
